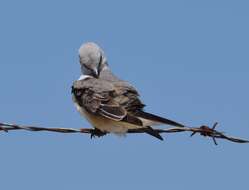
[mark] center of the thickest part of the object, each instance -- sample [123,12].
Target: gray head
[92,59]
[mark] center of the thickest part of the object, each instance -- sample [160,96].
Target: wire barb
[202,130]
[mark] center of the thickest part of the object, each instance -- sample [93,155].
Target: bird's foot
[97,133]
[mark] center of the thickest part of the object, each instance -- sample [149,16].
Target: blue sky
[188,59]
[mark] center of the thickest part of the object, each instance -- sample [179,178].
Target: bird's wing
[110,100]
[129,98]
[102,98]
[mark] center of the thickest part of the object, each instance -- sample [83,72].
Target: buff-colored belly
[105,124]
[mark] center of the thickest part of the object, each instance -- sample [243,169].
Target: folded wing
[102,98]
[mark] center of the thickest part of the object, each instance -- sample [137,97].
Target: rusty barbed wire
[202,130]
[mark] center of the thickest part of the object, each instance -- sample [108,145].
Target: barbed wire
[203,130]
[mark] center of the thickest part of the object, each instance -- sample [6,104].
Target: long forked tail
[153,133]
[158,119]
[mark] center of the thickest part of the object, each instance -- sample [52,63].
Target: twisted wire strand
[202,130]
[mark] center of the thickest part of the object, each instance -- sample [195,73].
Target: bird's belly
[102,123]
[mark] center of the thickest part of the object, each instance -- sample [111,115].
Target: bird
[110,104]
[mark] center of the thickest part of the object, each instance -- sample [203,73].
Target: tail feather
[159,119]
[153,133]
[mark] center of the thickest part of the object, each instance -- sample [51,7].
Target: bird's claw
[97,133]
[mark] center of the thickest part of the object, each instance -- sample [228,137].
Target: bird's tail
[157,119]
[154,133]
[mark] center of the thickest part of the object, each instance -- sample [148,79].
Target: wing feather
[115,101]
[101,98]
[116,113]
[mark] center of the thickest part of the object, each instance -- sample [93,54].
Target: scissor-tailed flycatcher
[108,103]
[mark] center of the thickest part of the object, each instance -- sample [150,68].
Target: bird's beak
[96,73]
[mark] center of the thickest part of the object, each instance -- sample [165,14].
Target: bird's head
[92,59]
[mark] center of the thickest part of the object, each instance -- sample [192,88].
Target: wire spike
[215,142]
[215,124]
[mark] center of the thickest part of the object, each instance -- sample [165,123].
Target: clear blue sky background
[189,60]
